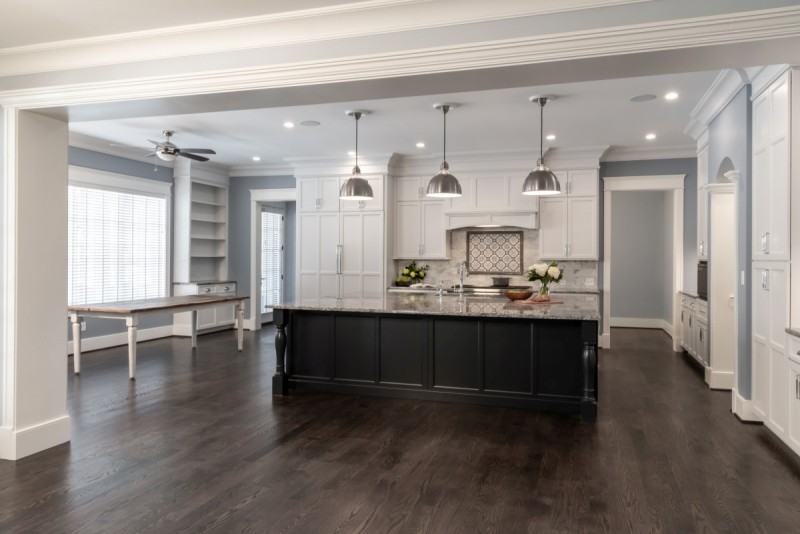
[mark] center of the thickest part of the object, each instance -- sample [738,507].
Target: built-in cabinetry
[492,201]
[694,328]
[568,223]
[200,241]
[775,393]
[419,226]
[702,198]
[208,318]
[340,243]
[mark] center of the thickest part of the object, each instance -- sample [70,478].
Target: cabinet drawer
[702,310]
[205,289]
[225,289]
[794,348]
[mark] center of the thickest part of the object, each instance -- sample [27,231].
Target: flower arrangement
[412,274]
[546,274]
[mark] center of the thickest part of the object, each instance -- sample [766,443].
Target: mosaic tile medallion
[494,252]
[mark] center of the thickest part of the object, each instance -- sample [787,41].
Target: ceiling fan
[168,151]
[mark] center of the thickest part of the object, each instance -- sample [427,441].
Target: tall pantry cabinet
[775,398]
[340,243]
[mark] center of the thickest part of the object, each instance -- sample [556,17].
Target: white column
[33,362]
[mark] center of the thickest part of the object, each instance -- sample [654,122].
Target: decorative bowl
[519,294]
[400,283]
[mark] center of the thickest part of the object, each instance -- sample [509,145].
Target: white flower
[540,268]
[554,272]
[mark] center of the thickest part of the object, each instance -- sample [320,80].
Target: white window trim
[110,181]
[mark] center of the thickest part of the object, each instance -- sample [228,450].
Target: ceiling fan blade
[130,146]
[150,154]
[192,156]
[198,150]
[154,142]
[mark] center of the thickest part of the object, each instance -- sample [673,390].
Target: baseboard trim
[89,344]
[185,330]
[719,379]
[21,443]
[743,408]
[635,322]
[605,341]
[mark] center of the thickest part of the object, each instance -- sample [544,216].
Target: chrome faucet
[462,272]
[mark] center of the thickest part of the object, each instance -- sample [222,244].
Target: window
[117,240]
[271,258]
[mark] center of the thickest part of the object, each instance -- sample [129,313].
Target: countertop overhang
[573,307]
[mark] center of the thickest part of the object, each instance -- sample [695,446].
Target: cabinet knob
[227,288]
[208,290]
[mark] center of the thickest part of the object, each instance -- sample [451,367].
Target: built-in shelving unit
[208,229]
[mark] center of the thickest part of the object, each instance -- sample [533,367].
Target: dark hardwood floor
[198,444]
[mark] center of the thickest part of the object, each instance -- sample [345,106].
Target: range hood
[490,219]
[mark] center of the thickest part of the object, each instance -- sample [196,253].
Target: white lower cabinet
[694,328]
[794,405]
[339,254]
[209,318]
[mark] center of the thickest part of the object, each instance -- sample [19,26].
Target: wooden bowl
[519,294]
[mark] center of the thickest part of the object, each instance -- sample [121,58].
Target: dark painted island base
[544,364]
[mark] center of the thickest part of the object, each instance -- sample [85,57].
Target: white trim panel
[635,322]
[83,176]
[665,182]
[18,444]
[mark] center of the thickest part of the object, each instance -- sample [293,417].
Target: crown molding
[633,39]
[241,171]
[722,90]
[315,167]
[650,153]
[343,21]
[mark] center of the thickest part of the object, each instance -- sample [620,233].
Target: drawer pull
[208,290]
[797,387]
[227,288]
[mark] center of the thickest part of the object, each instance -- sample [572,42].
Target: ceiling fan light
[165,156]
[444,184]
[356,187]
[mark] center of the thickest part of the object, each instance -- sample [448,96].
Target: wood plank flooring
[198,444]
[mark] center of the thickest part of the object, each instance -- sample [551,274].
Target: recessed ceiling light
[420,144]
[643,98]
[551,137]
[288,124]
[256,158]
[671,95]
[650,136]
[309,123]
[351,153]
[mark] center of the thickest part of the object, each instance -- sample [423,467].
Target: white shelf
[208,203]
[208,238]
[200,218]
[211,256]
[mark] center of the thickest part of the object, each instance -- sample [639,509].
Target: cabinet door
[362,254]
[760,340]
[329,194]
[685,327]
[702,204]
[583,183]
[408,189]
[761,202]
[794,406]
[407,230]
[518,201]
[702,343]
[692,334]
[779,391]
[307,252]
[466,201]
[307,194]
[778,239]
[491,193]
[582,228]
[553,228]
[433,231]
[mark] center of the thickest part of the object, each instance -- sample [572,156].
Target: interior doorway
[273,265]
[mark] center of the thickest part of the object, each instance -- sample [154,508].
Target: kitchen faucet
[462,272]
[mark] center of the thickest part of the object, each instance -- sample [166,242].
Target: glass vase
[543,295]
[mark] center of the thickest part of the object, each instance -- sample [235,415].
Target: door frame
[667,182]
[273,210]
[257,197]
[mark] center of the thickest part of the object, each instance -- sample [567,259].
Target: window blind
[271,260]
[117,246]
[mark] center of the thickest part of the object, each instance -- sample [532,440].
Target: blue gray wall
[95,160]
[641,255]
[729,137]
[239,228]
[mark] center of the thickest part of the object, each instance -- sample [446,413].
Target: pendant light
[541,181]
[444,184]
[356,187]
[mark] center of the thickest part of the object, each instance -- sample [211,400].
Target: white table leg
[132,322]
[239,308]
[194,329]
[76,341]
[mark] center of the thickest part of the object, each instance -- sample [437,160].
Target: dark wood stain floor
[198,444]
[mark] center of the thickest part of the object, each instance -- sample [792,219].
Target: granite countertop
[794,331]
[583,307]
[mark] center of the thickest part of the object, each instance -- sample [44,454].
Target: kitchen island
[455,348]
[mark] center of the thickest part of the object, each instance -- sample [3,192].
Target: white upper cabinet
[493,194]
[318,194]
[771,171]
[374,204]
[568,223]
[419,225]
[518,201]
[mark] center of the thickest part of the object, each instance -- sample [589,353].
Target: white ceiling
[583,114]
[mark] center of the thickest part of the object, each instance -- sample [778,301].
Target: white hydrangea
[554,272]
[540,268]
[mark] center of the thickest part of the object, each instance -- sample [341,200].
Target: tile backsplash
[577,274]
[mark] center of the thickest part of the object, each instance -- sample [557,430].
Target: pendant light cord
[541,129]
[445,109]
[357,116]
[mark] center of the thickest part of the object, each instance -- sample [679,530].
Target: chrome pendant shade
[444,184]
[541,181]
[356,187]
